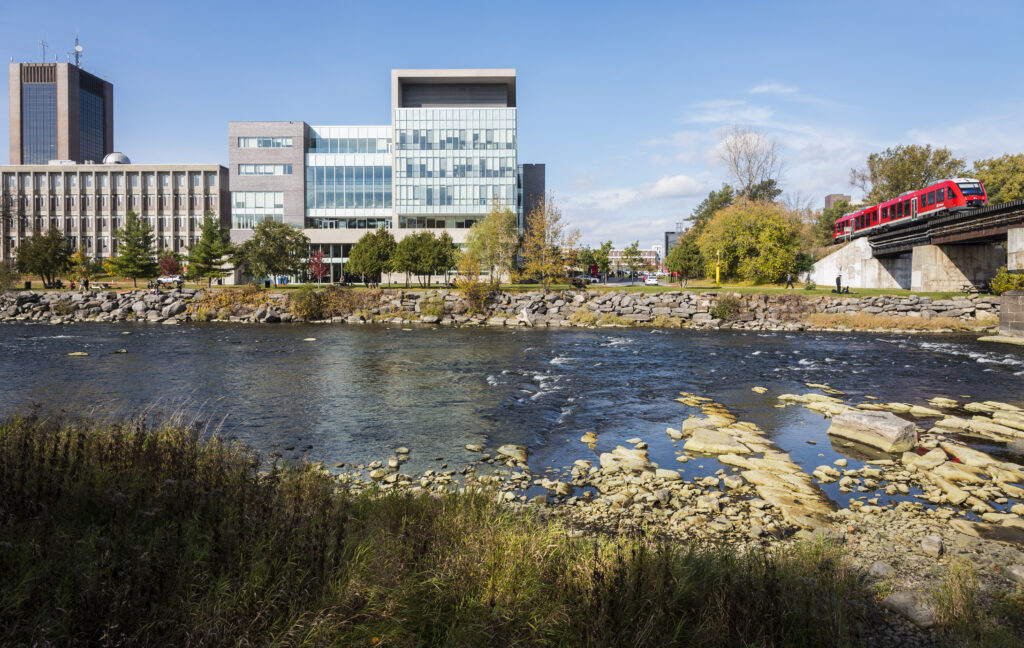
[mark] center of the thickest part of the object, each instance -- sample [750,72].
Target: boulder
[934,458]
[909,605]
[879,569]
[713,441]
[882,430]
[626,459]
[932,546]
[517,452]
[1015,573]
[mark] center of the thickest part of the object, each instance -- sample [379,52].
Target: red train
[955,194]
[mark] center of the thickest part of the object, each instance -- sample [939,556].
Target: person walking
[839,283]
[789,280]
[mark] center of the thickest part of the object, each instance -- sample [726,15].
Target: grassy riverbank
[125,534]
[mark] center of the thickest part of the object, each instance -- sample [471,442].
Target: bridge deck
[974,226]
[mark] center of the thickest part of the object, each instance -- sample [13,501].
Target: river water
[356,393]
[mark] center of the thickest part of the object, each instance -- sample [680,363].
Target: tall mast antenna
[78,52]
[45,45]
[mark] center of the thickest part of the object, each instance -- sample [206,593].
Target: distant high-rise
[59,112]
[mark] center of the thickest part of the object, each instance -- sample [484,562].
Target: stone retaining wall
[1011,316]
[554,309]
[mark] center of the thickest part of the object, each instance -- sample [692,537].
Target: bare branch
[750,156]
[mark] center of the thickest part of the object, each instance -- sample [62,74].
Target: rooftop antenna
[78,51]
[45,45]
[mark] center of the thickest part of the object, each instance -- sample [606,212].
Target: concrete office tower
[59,111]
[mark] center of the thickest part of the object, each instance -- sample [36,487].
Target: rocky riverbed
[779,312]
[908,518]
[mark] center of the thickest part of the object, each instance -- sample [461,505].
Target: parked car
[651,280]
[587,278]
[170,280]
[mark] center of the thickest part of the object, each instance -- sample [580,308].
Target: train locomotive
[946,195]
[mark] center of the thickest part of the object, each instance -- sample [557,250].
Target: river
[355,393]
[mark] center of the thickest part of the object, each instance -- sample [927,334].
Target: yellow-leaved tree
[548,245]
[754,241]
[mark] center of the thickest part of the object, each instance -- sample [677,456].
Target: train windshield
[970,188]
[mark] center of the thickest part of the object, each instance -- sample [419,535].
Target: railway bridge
[946,253]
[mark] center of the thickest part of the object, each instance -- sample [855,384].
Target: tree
[767,190]
[211,252]
[275,249]
[416,254]
[1003,177]
[758,242]
[135,253]
[706,210]
[8,275]
[904,168]
[823,230]
[604,263]
[751,157]
[81,266]
[446,254]
[169,263]
[585,258]
[46,255]
[494,241]
[632,259]
[547,242]
[372,256]
[317,268]
[684,258]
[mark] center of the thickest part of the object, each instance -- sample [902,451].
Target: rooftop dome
[116,158]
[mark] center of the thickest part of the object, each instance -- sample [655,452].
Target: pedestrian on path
[789,280]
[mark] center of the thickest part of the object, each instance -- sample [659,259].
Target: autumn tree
[756,241]
[46,255]
[317,268]
[275,249]
[1003,177]
[135,254]
[684,258]
[751,158]
[547,242]
[169,262]
[80,268]
[632,259]
[213,250]
[494,242]
[904,168]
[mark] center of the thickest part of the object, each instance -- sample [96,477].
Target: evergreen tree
[135,255]
[684,258]
[714,203]
[213,249]
[46,255]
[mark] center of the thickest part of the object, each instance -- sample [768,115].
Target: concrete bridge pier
[948,268]
[1015,248]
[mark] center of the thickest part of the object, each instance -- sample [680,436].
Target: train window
[899,210]
[906,208]
[940,194]
[885,213]
[930,199]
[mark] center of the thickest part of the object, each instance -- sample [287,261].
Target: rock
[732,482]
[589,438]
[883,430]
[1015,573]
[309,339]
[932,546]
[714,441]
[403,450]
[879,569]
[670,475]
[674,434]
[932,459]
[626,459]
[924,412]
[474,447]
[517,452]
[759,390]
[78,353]
[967,456]
[840,462]
[909,605]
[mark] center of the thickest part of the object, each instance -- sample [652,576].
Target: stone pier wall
[1011,315]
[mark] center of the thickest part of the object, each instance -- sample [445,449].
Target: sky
[625,103]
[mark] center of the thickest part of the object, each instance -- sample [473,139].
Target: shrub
[664,321]
[477,293]
[728,307]
[204,314]
[9,275]
[432,306]
[611,319]
[308,303]
[810,285]
[583,317]
[1005,280]
[62,308]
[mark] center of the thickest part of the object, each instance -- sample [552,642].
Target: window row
[422,222]
[445,167]
[463,139]
[264,142]
[350,145]
[348,187]
[257,200]
[149,179]
[349,223]
[264,169]
[453,196]
[74,222]
[54,203]
[249,221]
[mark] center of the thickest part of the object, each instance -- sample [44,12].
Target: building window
[264,142]
[249,208]
[262,169]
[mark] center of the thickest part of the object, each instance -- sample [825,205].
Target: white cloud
[774,88]
[676,186]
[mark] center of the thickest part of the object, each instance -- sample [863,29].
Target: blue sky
[624,102]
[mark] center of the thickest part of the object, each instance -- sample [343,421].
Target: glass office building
[449,154]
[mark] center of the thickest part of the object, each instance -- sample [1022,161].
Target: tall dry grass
[147,535]
[870,321]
